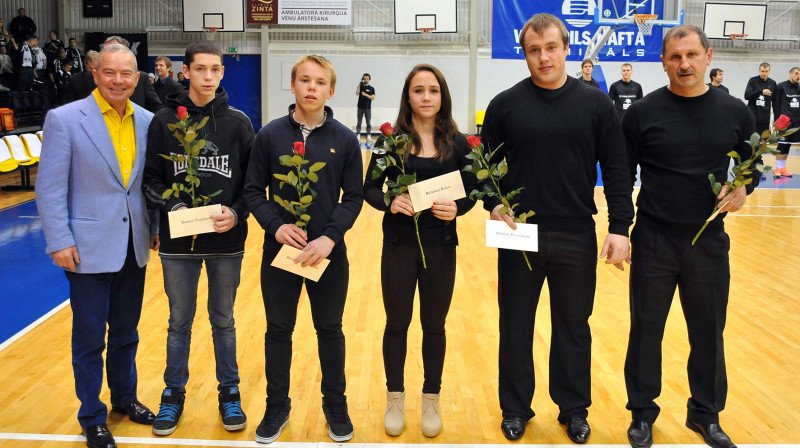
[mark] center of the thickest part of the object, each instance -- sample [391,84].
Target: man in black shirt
[22,26]
[677,134]
[76,55]
[758,94]
[554,130]
[587,67]
[625,91]
[716,80]
[164,84]
[787,102]
[366,93]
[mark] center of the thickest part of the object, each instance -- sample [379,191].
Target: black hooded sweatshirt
[229,136]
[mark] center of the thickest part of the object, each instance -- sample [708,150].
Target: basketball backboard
[227,16]
[720,20]
[621,12]
[412,15]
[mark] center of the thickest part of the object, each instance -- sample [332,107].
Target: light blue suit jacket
[81,198]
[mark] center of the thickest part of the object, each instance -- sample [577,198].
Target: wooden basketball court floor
[38,406]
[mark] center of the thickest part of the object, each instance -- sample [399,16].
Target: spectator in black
[81,84]
[26,57]
[62,80]
[54,65]
[758,94]
[183,81]
[53,46]
[21,26]
[76,55]
[716,80]
[164,84]
[587,67]
[366,93]
[787,102]
[625,91]
[6,68]
[4,36]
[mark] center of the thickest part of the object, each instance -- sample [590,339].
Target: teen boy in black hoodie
[223,163]
[326,140]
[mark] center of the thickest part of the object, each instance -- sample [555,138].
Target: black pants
[569,263]
[702,274]
[401,270]
[281,292]
[25,77]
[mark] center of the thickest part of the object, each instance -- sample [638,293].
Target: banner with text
[262,12]
[624,44]
[315,12]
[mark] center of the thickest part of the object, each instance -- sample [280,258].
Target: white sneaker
[393,421]
[431,419]
[369,138]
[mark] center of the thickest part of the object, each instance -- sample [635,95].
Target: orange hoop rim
[426,30]
[211,29]
[641,18]
[737,36]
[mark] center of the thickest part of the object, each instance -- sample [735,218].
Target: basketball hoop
[738,39]
[645,23]
[210,31]
[426,30]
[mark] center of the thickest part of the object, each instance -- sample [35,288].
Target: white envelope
[285,260]
[193,221]
[526,237]
[447,187]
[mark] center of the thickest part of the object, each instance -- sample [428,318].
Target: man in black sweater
[165,85]
[716,76]
[677,135]
[339,196]
[787,102]
[758,94]
[625,91]
[587,67]
[222,165]
[554,129]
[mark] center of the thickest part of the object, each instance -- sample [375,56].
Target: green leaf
[754,140]
[407,179]
[305,217]
[175,193]
[168,157]
[313,177]
[296,160]
[194,165]
[503,210]
[734,155]
[281,177]
[166,193]
[387,198]
[198,145]
[306,199]
[712,179]
[215,193]
[316,167]
[502,168]
[202,123]
[190,135]
[172,127]
[285,160]
[748,181]
[482,174]
[292,178]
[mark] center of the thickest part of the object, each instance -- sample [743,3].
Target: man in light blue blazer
[95,222]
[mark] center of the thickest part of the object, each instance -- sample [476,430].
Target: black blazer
[81,85]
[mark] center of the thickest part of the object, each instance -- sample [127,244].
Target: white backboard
[227,15]
[722,19]
[411,15]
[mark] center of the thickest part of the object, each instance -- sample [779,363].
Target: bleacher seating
[23,160]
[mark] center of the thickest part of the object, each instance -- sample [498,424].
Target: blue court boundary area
[30,284]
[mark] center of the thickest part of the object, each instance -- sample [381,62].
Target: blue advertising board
[625,44]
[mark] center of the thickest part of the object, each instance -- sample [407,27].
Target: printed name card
[285,260]
[193,221]
[447,187]
[526,237]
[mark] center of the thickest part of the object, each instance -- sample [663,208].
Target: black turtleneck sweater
[552,140]
[677,141]
[787,101]
[758,103]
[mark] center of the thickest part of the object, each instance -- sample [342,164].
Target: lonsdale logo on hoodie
[209,161]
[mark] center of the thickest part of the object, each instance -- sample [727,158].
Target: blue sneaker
[169,412]
[230,406]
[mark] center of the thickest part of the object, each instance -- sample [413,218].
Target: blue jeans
[181,275]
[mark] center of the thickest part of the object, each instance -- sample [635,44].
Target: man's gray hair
[118,48]
[117,40]
[92,56]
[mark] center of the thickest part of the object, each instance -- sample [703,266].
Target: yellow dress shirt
[122,132]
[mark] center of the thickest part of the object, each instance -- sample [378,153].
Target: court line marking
[237,443]
[33,325]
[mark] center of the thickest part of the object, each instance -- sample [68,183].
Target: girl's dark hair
[446,129]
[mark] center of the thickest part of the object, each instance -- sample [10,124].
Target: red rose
[299,148]
[474,141]
[782,123]
[386,129]
[182,113]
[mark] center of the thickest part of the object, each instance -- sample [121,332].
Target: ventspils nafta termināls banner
[625,44]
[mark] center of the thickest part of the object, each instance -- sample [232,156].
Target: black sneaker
[230,406]
[169,412]
[275,418]
[340,428]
